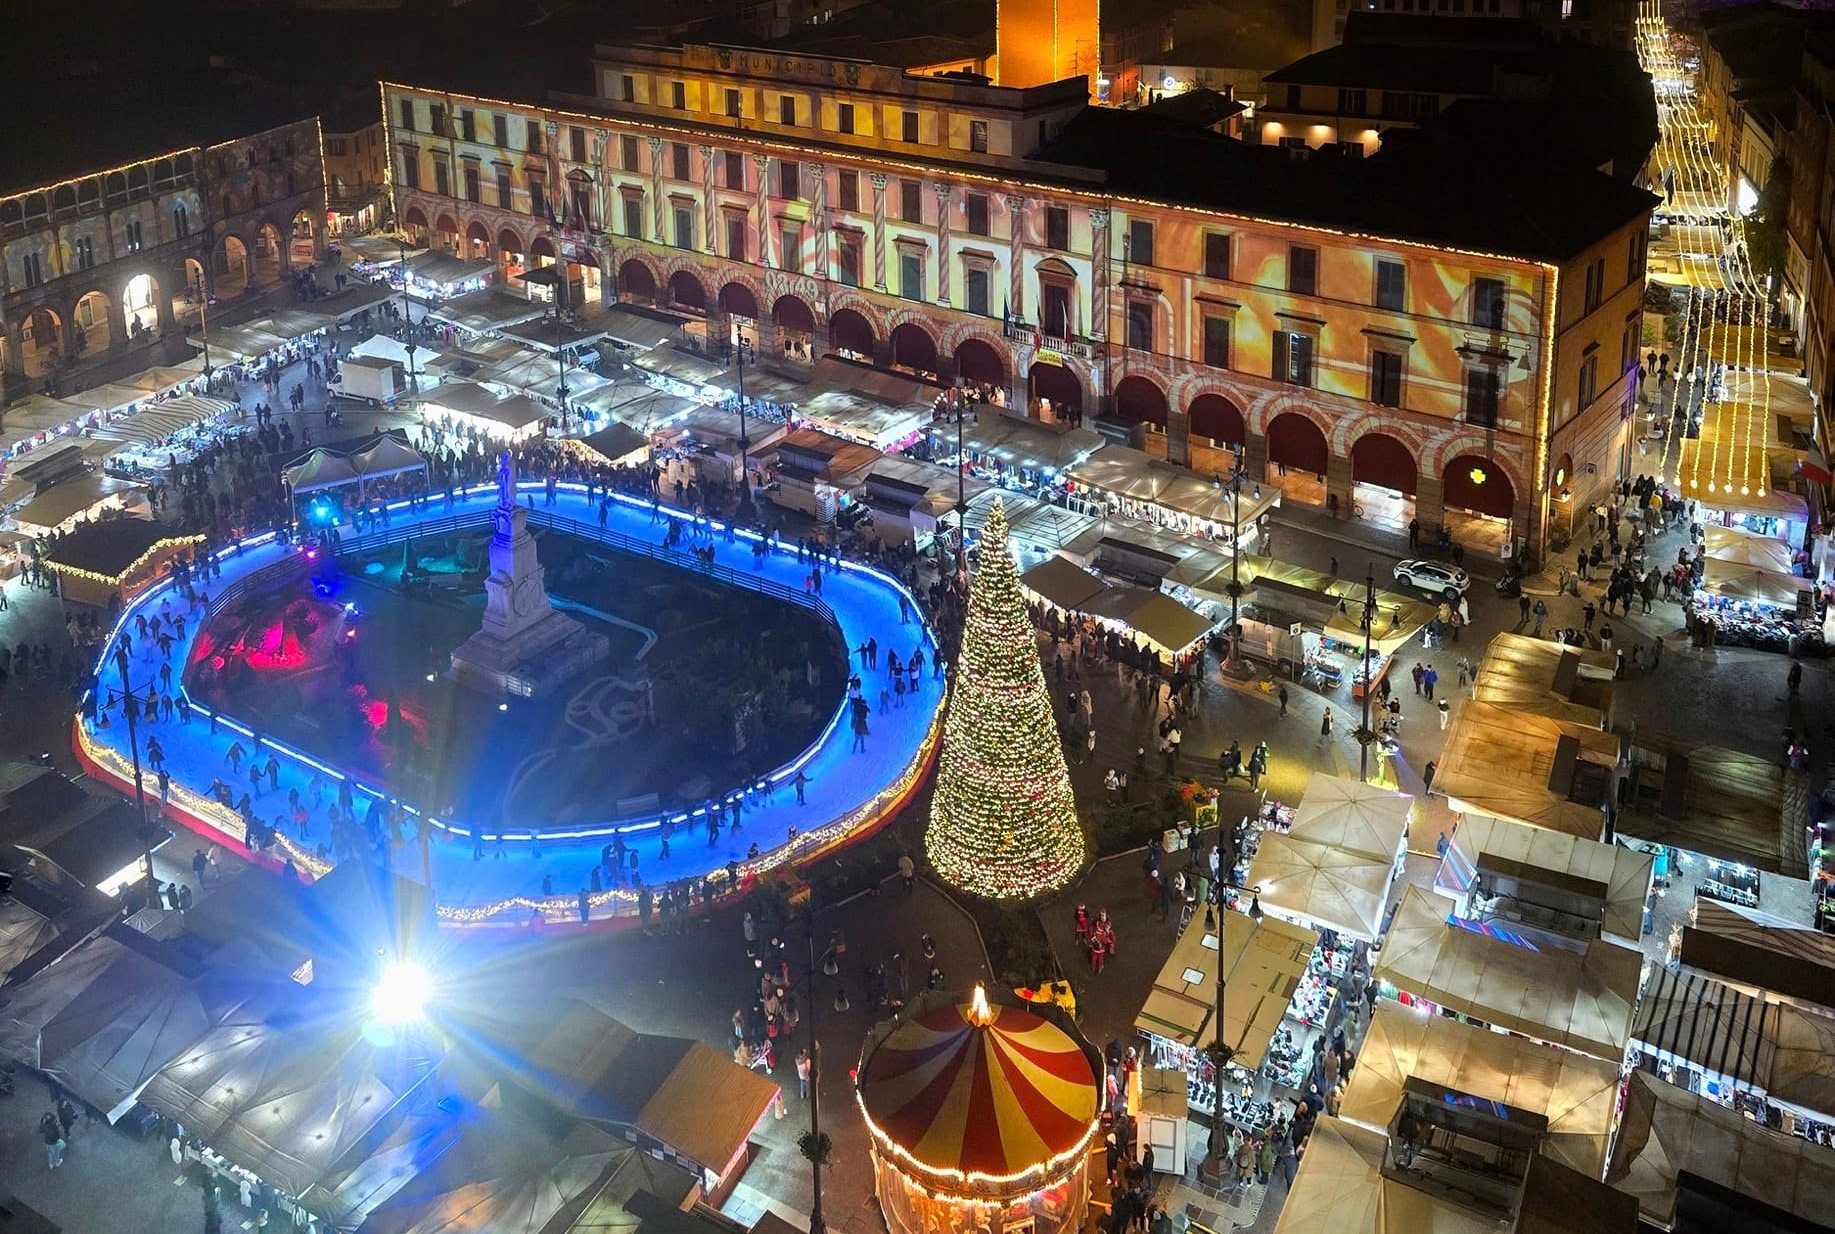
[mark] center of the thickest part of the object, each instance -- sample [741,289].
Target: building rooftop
[1764,42]
[1203,108]
[1439,55]
[1544,213]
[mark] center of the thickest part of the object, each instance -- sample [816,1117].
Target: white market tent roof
[58,504]
[31,1005]
[1266,960]
[1740,547]
[1322,886]
[155,422]
[320,469]
[1578,1095]
[859,416]
[1622,873]
[1340,1188]
[116,395]
[484,311]
[1347,814]
[383,347]
[1020,441]
[1666,1132]
[1580,999]
[1736,581]
[389,456]
[1497,761]
[1059,581]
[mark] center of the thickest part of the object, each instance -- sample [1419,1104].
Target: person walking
[1541,615]
[1419,673]
[1282,695]
[1522,603]
[1325,726]
[1793,680]
[53,1136]
[802,1072]
[1427,776]
[1429,678]
[1605,636]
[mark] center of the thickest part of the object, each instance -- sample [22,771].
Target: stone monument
[525,647]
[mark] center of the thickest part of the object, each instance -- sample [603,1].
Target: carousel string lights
[1003,823]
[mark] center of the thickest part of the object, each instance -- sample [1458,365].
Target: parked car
[1433,577]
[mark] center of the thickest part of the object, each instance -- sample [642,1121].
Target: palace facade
[1428,334]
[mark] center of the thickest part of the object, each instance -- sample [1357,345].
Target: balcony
[1072,345]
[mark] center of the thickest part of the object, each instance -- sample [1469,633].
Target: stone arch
[43,338]
[477,240]
[793,313]
[446,231]
[868,312]
[233,268]
[414,222]
[850,330]
[979,360]
[270,253]
[92,322]
[1384,460]
[913,346]
[737,299]
[637,278]
[1062,384]
[1282,402]
[140,304]
[304,231]
[1216,417]
[686,289]
[1140,400]
[1479,484]
[1296,441]
[1442,451]
[511,247]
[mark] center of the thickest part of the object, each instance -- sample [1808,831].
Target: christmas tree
[1003,823]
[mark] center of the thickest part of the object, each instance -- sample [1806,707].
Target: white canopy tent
[1265,962]
[1322,886]
[155,422]
[388,456]
[1580,999]
[320,469]
[1741,547]
[1340,1189]
[1623,873]
[1348,814]
[1578,1095]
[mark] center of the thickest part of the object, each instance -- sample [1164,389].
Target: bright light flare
[402,994]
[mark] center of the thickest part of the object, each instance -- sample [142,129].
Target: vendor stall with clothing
[433,275]
[1133,483]
[1513,872]
[1328,648]
[1742,605]
[472,406]
[1015,452]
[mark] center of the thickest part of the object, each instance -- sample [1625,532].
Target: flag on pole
[1816,467]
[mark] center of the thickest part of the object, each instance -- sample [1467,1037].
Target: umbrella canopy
[1744,582]
[978,1090]
[318,470]
[1353,816]
[1744,548]
[1323,886]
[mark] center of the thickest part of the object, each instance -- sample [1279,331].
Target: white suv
[1446,581]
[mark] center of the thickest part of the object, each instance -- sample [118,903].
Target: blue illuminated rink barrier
[848,794]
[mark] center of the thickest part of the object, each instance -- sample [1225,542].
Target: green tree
[1766,242]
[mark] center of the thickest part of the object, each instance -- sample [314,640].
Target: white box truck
[369,379]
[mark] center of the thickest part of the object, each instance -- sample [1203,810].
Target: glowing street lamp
[402,994]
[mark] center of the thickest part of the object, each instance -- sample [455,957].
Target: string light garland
[1003,823]
[115,580]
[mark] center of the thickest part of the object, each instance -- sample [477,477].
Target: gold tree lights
[1003,823]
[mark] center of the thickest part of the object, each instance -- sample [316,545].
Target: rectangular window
[1627,348]
[786,110]
[34,270]
[627,88]
[1635,256]
[789,179]
[181,221]
[847,261]
[790,249]
[534,130]
[1385,379]
[735,237]
[683,218]
[1217,342]
[1351,102]
[506,193]
[538,200]
[407,115]
[847,186]
[472,192]
[634,216]
[1595,284]
[1140,325]
[411,168]
[436,119]
[576,140]
[975,282]
[1589,381]
[627,153]
[1488,303]
[1481,396]
[1302,270]
[734,107]
[1293,98]
[500,130]
[1293,358]
[911,201]
[909,126]
[1216,255]
[467,120]
[1140,242]
[911,274]
[844,117]
[1057,228]
[735,170]
[1054,308]
[581,199]
[978,136]
[975,208]
[440,184]
[1391,285]
[678,160]
[678,95]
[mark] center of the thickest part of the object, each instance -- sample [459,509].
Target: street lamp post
[1232,664]
[740,343]
[816,1224]
[1366,736]
[407,308]
[133,744]
[1214,1166]
[961,489]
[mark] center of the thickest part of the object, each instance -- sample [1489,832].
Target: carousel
[982,1118]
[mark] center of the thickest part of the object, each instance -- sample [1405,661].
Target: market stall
[1760,951]
[1738,605]
[1740,547]
[433,275]
[487,311]
[1557,681]
[1347,814]
[1585,886]
[860,417]
[1578,1095]
[817,473]
[1581,999]
[115,559]
[1323,887]
[1667,1132]
[1132,483]
[1266,963]
[1498,761]
[1062,583]
[1015,452]
[619,445]
[1328,648]
[700,443]
[63,505]
[911,501]
[1151,618]
[1016,1155]
[469,405]
[1344,1186]
[22,932]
